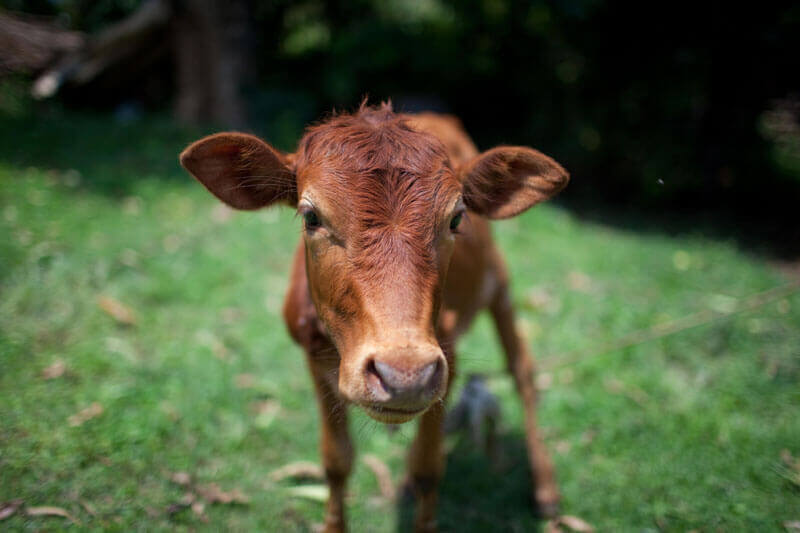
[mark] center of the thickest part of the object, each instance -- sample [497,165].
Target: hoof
[405,491]
[333,524]
[546,510]
[546,503]
[426,527]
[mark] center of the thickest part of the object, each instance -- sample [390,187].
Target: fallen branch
[120,41]
[29,44]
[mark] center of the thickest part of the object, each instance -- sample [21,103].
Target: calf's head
[382,206]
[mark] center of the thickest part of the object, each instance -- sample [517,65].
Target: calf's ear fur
[505,181]
[241,170]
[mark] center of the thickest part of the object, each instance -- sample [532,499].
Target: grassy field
[140,336]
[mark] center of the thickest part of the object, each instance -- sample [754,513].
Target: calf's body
[395,262]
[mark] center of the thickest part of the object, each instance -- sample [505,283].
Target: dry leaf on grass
[574,523]
[588,436]
[793,466]
[294,520]
[117,310]
[539,298]
[632,392]
[578,281]
[82,416]
[55,370]
[317,493]
[211,493]
[551,526]
[229,315]
[298,470]
[792,526]
[89,507]
[9,508]
[245,381]
[212,342]
[181,478]
[198,508]
[186,501]
[221,213]
[383,475]
[265,412]
[544,380]
[171,243]
[614,386]
[176,508]
[789,460]
[528,329]
[47,510]
[170,410]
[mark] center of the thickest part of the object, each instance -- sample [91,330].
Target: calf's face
[381,206]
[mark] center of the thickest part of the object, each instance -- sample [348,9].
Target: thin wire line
[664,329]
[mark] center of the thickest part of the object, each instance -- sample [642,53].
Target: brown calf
[395,261]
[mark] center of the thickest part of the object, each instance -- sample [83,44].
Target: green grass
[678,433]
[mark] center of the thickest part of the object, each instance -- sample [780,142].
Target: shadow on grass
[478,496]
[101,154]
[771,232]
[94,152]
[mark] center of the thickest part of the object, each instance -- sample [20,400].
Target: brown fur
[382,288]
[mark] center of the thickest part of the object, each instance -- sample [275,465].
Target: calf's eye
[311,220]
[455,221]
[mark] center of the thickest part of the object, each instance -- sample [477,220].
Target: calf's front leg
[426,467]
[335,445]
[426,460]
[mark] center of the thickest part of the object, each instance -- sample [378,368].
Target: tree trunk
[211,46]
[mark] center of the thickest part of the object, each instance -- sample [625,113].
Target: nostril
[379,374]
[388,375]
[427,373]
[371,368]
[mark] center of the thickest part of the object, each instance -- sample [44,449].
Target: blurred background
[681,107]
[660,289]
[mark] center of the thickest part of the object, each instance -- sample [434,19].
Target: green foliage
[682,432]
[658,111]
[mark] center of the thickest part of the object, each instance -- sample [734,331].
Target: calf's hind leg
[520,365]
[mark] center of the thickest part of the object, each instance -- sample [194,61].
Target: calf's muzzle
[402,382]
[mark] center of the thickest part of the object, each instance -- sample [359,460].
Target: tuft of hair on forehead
[371,139]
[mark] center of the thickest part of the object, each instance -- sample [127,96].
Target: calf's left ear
[241,170]
[507,180]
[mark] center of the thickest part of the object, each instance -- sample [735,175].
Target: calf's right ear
[241,170]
